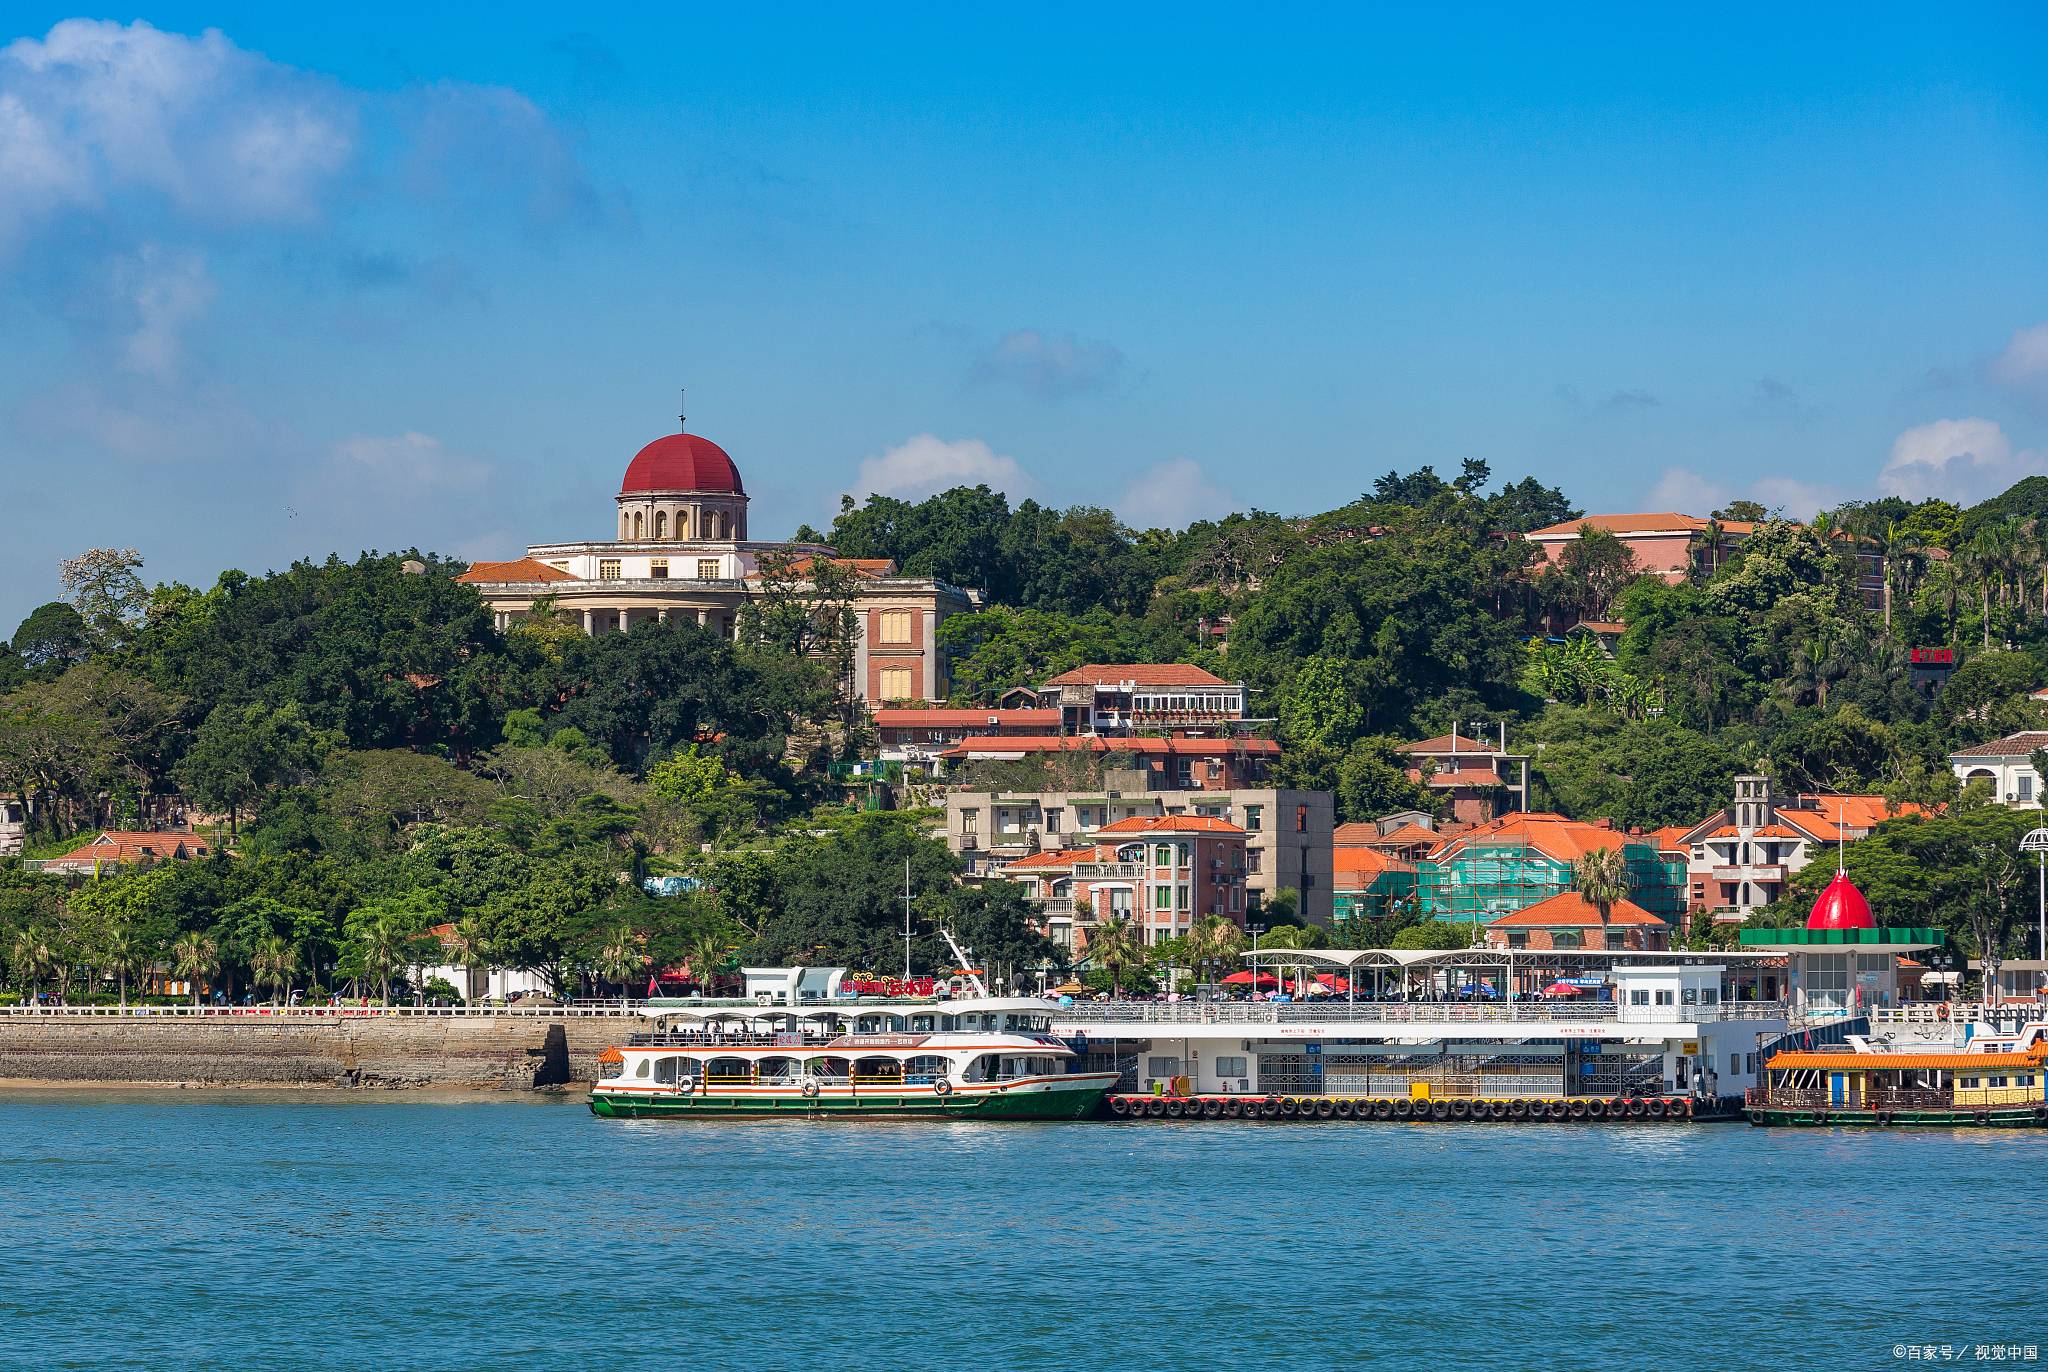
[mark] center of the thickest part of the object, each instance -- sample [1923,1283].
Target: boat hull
[1058,1098]
[2008,1117]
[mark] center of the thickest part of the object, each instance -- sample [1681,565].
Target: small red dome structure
[1841,906]
[682,462]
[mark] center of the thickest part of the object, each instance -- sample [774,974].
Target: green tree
[105,586]
[1602,877]
[195,958]
[273,964]
[241,753]
[53,637]
[1113,947]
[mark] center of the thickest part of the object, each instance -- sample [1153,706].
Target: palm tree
[705,955]
[273,964]
[32,957]
[195,958]
[1214,941]
[1601,876]
[619,958]
[381,947]
[122,955]
[1114,948]
[1705,547]
[472,947]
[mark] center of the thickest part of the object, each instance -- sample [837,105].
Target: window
[970,820]
[1232,1067]
[661,523]
[1254,817]
[1162,855]
[608,569]
[895,683]
[2026,785]
[1690,996]
[1301,819]
[1665,998]
[1639,998]
[1162,897]
[1053,815]
[893,626]
[1254,860]
[707,569]
[1162,1067]
[1710,995]
[658,568]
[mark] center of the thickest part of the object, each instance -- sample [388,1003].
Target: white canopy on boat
[854,1009]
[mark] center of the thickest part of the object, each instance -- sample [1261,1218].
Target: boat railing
[1820,1098]
[1408,1012]
[610,1010]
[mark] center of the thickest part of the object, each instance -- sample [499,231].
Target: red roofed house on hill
[1124,698]
[128,848]
[1162,872]
[1480,781]
[922,734]
[1739,858]
[1569,920]
[1665,545]
[682,553]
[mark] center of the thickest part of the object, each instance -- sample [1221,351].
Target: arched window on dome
[661,523]
[638,525]
[714,523]
[625,525]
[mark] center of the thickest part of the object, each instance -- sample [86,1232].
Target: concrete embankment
[506,1052]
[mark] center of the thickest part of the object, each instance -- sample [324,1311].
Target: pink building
[1161,872]
[1480,781]
[1663,544]
[1167,764]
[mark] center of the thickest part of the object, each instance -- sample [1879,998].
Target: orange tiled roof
[1552,835]
[1948,1062]
[1089,743]
[1143,673]
[128,845]
[1666,522]
[1570,910]
[1810,824]
[1366,862]
[1057,857]
[1358,833]
[1671,838]
[1857,812]
[1141,824]
[1467,776]
[1408,836]
[940,718]
[1446,743]
[518,569]
[866,568]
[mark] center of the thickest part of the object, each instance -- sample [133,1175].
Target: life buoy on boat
[810,1090]
[942,1087]
[686,1086]
[1942,1013]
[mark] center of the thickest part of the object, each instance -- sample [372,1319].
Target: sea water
[160,1229]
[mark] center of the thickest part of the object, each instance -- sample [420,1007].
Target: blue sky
[276,281]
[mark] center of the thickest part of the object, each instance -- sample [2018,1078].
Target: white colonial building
[2007,764]
[682,551]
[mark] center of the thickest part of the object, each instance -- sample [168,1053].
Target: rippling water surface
[157,1229]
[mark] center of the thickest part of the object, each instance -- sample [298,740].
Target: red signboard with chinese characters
[1934,657]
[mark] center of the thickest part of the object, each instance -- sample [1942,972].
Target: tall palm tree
[122,955]
[1115,949]
[1601,876]
[705,954]
[273,964]
[381,947]
[32,958]
[1214,942]
[619,958]
[472,947]
[195,957]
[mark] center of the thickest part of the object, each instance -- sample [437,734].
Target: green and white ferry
[980,1057]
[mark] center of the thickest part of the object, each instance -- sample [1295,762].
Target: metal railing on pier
[607,1010]
[1407,1012]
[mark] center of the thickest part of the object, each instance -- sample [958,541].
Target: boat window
[643,1069]
[665,1068]
[923,1024]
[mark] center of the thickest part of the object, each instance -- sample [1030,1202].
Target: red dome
[682,462]
[1841,906]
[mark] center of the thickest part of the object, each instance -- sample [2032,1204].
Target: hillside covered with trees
[387,761]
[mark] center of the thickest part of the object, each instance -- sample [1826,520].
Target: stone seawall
[504,1052]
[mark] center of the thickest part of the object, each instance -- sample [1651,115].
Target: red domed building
[683,552]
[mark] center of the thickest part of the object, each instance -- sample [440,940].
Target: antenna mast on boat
[966,964]
[906,919]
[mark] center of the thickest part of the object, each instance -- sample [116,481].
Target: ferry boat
[1993,1080]
[981,1057]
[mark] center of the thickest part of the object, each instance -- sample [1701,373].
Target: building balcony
[1051,905]
[1774,871]
[1108,871]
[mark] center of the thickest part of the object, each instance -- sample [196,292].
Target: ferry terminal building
[682,550]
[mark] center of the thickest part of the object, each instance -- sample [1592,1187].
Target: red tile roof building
[1161,872]
[1570,921]
[1177,764]
[1478,780]
[1665,545]
[128,848]
[1120,698]
[1739,858]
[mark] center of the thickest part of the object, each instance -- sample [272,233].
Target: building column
[703,618]
[589,624]
[661,615]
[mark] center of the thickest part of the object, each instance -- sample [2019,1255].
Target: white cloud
[1684,491]
[407,464]
[481,149]
[1959,460]
[1799,499]
[96,107]
[1051,365]
[927,464]
[1173,494]
[162,292]
[2024,363]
